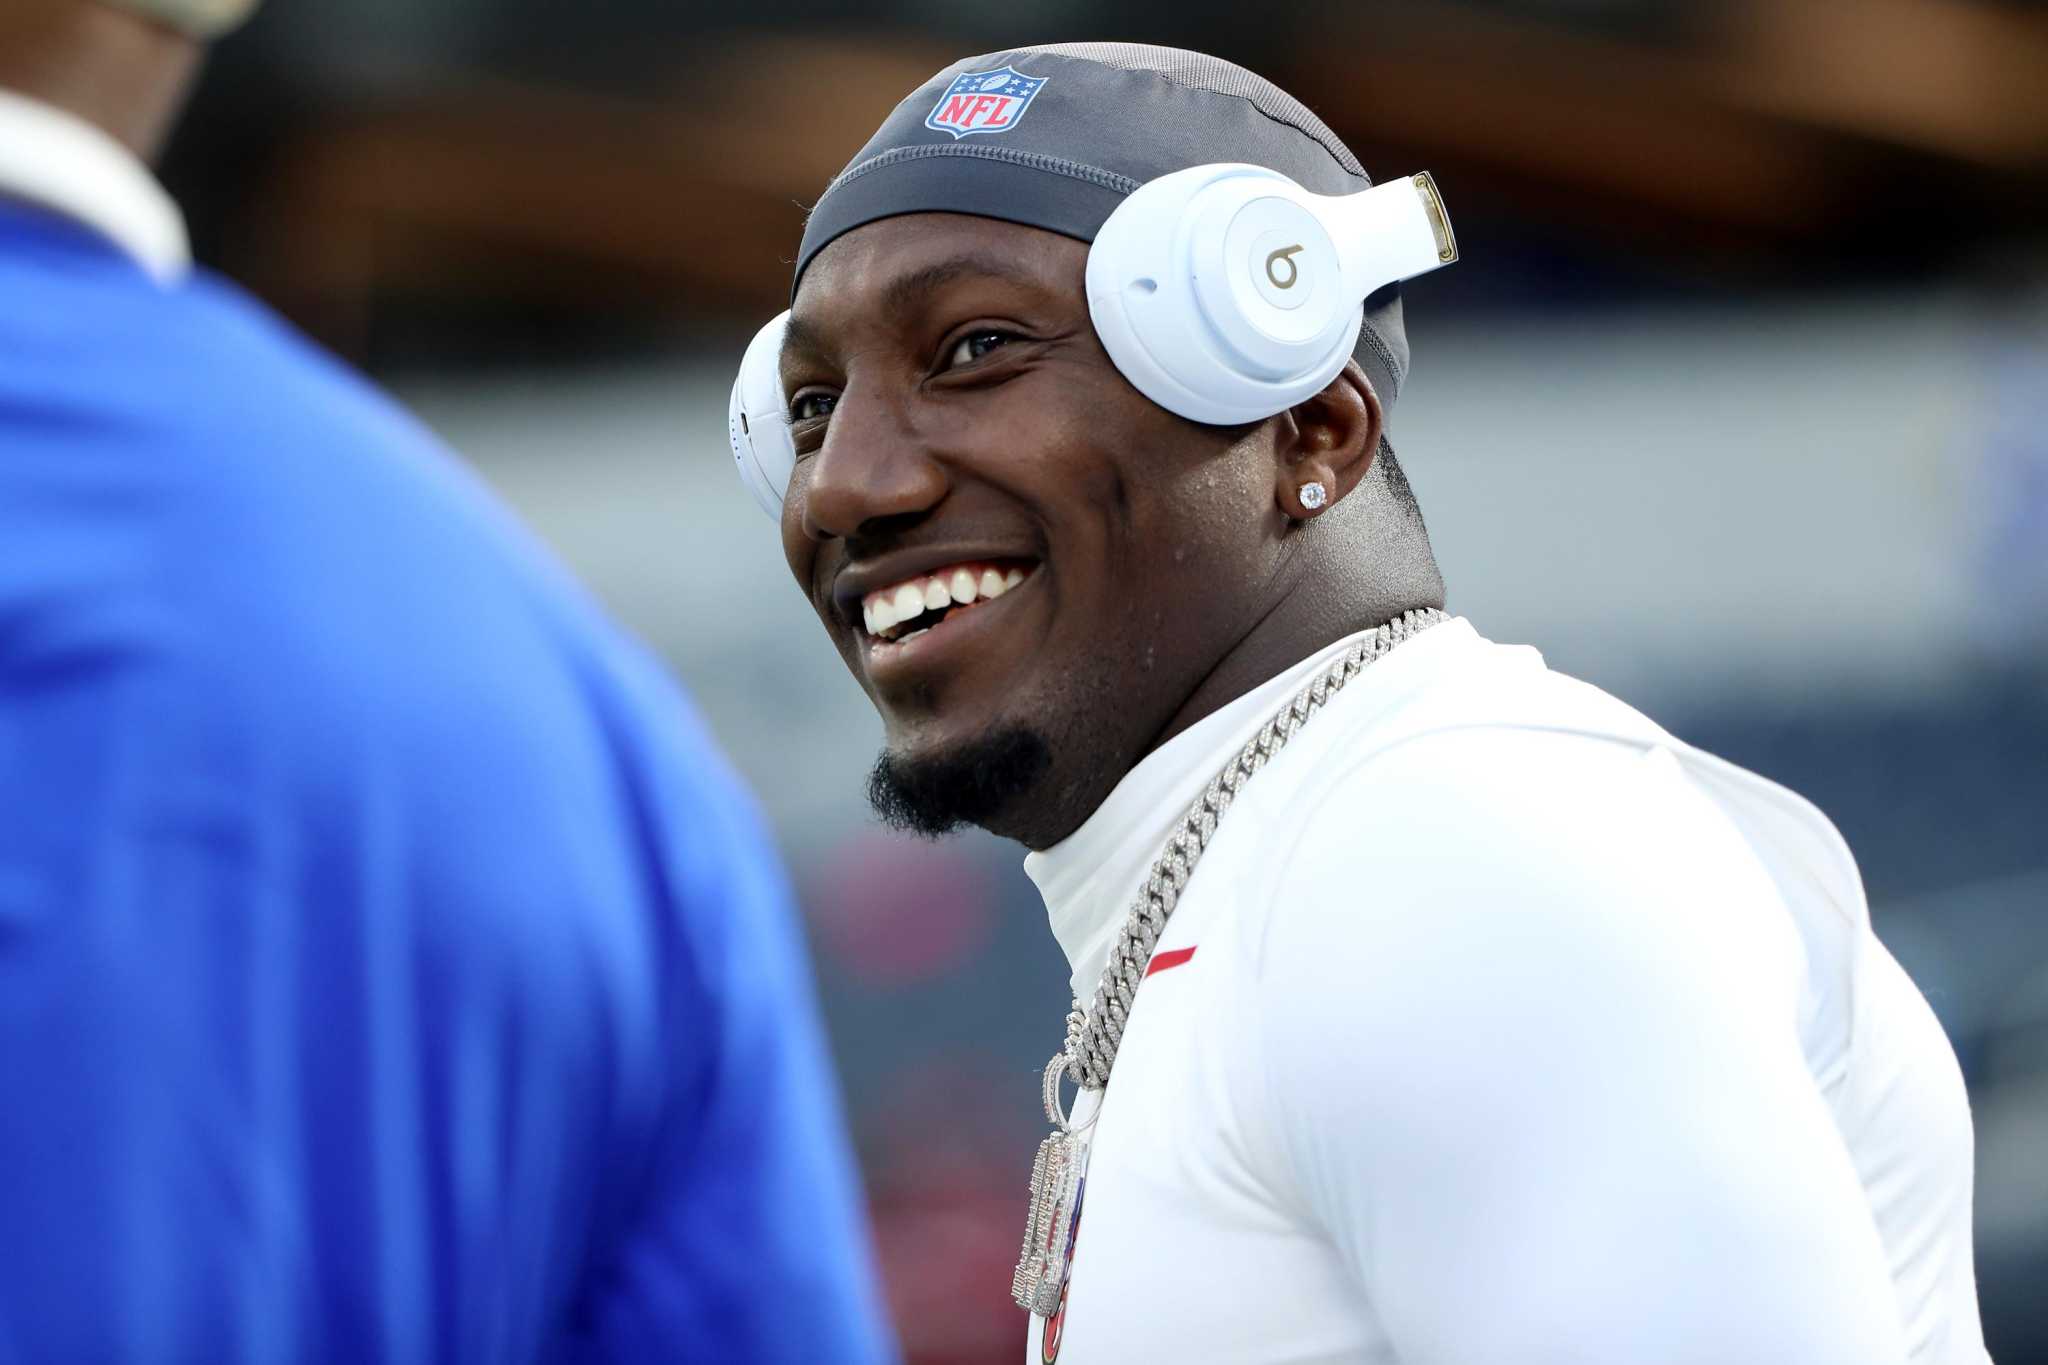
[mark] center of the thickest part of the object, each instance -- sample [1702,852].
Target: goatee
[970,784]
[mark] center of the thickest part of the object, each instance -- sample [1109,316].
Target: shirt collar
[1089,878]
[66,165]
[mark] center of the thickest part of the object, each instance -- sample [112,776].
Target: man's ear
[1328,446]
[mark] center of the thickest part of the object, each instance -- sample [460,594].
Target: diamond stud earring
[1312,496]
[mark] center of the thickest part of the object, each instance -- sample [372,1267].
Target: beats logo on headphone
[1224,293]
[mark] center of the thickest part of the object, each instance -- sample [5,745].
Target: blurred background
[1737,405]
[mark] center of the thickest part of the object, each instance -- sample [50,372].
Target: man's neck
[1326,605]
[1360,571]
[121,73]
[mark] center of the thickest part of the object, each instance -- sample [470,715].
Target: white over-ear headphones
[1223,293]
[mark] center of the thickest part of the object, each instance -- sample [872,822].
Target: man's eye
[975,345]
[809,405]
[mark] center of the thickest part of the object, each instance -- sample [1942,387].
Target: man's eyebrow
[909,292]
[801,337]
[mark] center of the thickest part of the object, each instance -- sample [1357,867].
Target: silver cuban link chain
[1094,1035]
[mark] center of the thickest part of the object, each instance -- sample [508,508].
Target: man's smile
[925,620]
[917,604]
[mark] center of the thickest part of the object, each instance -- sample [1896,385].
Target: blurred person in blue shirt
[389,969]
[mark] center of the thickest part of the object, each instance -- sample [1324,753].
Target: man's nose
[871,468]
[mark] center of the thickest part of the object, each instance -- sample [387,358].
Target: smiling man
[1491,1022]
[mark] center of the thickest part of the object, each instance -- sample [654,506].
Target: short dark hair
[1398,487]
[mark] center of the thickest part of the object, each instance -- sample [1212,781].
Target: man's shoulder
[250,533]
[1501,793]
[1522,798]
[97,349]
[1475,735]
[1519,875]
[1496,745]
[314,417]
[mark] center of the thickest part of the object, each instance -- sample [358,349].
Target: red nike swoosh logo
[1161,961]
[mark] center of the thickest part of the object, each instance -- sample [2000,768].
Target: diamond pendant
[1042,1265]
[1056,1180]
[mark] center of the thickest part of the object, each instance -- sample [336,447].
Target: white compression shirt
[1498,1026]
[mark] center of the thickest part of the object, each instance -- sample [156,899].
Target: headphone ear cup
[757,420]
[1219,294]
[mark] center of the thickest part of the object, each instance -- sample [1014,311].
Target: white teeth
[909,602]
[886,610]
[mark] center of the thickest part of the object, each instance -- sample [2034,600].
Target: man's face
[961,434]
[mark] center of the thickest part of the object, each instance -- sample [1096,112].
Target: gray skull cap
[1096,121]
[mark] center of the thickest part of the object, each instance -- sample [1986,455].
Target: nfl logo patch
[984,102]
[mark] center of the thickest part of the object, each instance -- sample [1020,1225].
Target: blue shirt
[389,968]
